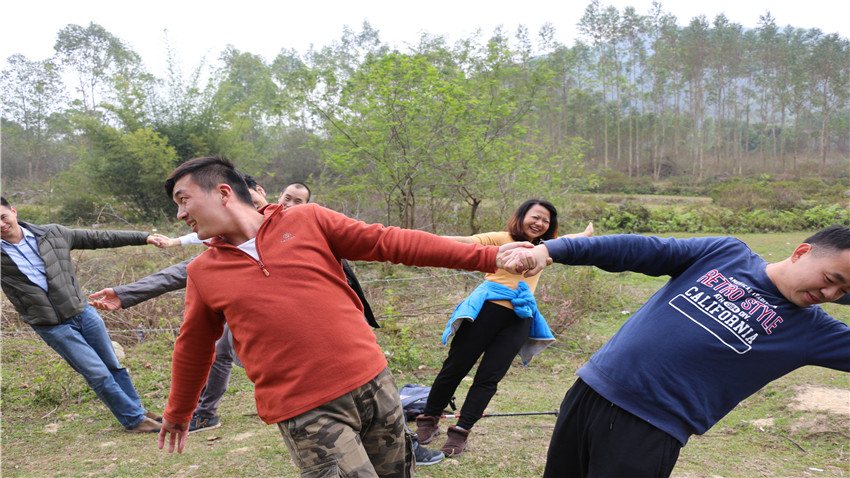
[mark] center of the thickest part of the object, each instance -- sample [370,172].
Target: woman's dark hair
[515,228]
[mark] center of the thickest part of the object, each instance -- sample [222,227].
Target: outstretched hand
[108,300]
[588,231]
[179,433]
[159,240]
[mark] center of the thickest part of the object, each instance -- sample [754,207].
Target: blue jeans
[83,342]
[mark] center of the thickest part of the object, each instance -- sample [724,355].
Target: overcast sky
[196,29]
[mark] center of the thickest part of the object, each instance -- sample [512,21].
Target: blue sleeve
[828,343]
[650,255]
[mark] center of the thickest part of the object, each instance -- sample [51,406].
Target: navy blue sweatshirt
[716,333]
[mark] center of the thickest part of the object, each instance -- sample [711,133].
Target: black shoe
[200,423]
[424,456]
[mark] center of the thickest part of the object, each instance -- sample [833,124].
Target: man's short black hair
[831,239]
[208,172]
[4,202]
[299,185]
[250,181]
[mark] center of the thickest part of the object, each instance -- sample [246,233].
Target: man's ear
[800,251]
[225,191]
[261,190]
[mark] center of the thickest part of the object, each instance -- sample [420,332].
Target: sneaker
[426,428]
[153,416]
[424,456]
[146,426]
[455,441]
[200,423]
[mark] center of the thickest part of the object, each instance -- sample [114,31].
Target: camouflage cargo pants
[360,434]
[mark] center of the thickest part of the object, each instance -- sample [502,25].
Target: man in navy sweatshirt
[725,325]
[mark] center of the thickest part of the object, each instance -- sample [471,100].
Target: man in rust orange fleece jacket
[298,328]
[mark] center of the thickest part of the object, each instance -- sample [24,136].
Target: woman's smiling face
[536,222]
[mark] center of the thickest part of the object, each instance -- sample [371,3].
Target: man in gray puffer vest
[39,279]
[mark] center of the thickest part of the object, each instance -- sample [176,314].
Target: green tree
[244,101]
[663,38]
[599,25]
[695,37]
[125,169]
[633,30]
[182,109]
[830,66]
[98,58]
[32,99]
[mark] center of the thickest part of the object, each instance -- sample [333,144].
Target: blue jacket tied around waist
[525,306]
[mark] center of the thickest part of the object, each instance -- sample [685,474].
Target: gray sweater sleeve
[169,279]
[93,239]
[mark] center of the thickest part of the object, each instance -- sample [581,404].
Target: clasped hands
[523,258]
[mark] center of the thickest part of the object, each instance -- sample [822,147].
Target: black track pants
[595,438]
[498,334]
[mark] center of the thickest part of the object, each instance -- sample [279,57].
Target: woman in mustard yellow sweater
[496,322]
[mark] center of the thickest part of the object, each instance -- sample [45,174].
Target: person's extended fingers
[181,441]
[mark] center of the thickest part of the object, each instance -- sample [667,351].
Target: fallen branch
[792,441]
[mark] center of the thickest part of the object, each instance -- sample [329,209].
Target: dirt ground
[828,399]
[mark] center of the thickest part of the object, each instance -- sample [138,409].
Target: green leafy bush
[820,216]
[31,213]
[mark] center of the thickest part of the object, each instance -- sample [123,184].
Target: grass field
[53,425]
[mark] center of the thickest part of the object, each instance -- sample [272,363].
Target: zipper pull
[263,268]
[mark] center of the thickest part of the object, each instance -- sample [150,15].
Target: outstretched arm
[461,239]
[108,300]
[169,279]
[190,239]
[588,231]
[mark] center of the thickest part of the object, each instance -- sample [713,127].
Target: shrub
[630,217]
[32,214]
[568,295]
[820,216]
[742,195]
[611,181]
